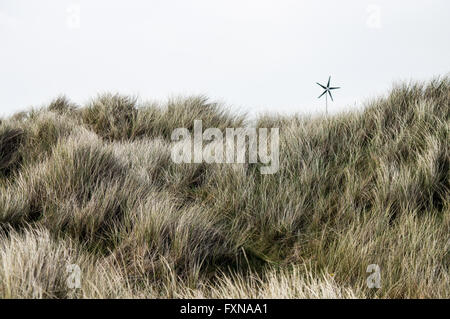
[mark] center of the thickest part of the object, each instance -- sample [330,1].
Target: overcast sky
[254,55]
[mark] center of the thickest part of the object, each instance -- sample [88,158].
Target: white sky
[254,55]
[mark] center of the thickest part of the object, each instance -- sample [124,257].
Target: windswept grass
[95,186]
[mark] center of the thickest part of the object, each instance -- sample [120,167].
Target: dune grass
[95,186]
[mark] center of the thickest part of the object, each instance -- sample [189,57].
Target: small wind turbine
[327,90]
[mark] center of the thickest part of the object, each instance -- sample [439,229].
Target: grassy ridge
[95,186]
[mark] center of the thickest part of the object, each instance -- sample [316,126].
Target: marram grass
[95,187]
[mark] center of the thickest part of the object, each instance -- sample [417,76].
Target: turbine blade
[334,88]
[329,79]
[324,92]
[331,96]
[321,85]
